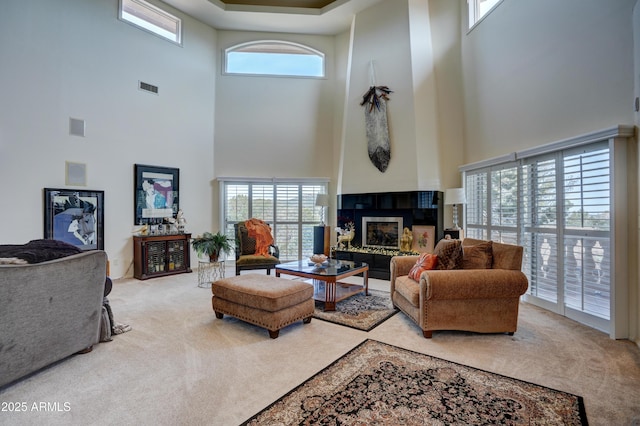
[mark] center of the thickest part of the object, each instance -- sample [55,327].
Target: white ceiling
[290,16]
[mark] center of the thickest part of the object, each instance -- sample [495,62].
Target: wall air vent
[148,87]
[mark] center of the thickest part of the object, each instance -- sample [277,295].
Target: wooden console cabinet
[160,255]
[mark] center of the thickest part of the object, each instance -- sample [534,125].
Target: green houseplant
[212,245]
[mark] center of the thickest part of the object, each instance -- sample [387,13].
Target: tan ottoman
[263,300]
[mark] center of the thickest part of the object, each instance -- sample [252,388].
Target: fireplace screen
[381,232]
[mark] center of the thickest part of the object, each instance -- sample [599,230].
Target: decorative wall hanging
[375,113]
[155,194]
[75,217]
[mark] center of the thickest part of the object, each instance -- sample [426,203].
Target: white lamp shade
[322,200]
[455,196]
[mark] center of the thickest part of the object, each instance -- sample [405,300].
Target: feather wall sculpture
[375,113]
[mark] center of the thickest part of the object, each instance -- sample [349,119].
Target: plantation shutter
[476,207]
[310,213]
[288,206]
[236,202]
[504,204]
[287,220]
[539,218]
[576,251]
[262,202]
[587,225]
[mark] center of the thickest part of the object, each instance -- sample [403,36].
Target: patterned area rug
[359,311]
[376,383]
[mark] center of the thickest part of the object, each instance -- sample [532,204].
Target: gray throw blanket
[37,251]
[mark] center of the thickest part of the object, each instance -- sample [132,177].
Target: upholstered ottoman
[263,300]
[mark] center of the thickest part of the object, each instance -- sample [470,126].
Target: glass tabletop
[328,268]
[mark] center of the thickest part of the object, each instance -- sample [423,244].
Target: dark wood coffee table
[327,287]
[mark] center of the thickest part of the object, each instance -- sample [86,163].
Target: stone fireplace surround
[415,208]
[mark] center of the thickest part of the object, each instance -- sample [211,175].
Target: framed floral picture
[424,238]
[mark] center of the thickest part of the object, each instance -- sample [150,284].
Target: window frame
[270,43]
[157,11]
[474,16]
[618,141]
[296,222]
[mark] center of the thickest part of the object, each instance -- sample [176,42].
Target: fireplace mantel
[414,207]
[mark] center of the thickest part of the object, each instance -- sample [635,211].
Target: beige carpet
[179,365]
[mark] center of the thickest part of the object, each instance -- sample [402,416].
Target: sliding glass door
[558,207]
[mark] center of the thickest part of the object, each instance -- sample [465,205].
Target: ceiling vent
[148,87]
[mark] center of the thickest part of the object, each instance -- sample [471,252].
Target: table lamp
[322,201]
[455,196]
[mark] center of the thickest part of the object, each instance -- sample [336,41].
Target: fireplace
[379,219]
[381,232]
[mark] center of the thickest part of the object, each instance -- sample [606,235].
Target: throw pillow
[425,262]
[478,256]
[449,254]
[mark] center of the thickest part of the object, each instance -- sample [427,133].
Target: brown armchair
[472,298]
[246,246]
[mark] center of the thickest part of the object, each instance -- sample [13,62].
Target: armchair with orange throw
[254,246]
[473,285]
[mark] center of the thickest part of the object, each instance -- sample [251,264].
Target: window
[288,206]
[557,202]
[270,57]
[152,19]
[479,9]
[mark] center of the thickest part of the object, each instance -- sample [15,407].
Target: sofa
[48,310]
[474,285]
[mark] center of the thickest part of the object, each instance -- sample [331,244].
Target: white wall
[74,58]
[541,71]
[536,72]
[383,34]
[445,16]
[342,67]
[274,126]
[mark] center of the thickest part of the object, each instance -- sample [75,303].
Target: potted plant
[211,244]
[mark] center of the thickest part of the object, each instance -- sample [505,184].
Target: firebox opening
[381,232]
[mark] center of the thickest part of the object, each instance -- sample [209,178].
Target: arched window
[273,57]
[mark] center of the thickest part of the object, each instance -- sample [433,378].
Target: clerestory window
[148,17]
[478,9]
[273,57]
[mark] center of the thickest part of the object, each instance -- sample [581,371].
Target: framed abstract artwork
[423,238]
[75,217]
[155,193]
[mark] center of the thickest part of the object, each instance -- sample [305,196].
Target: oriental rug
[359,311]
[377,383]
